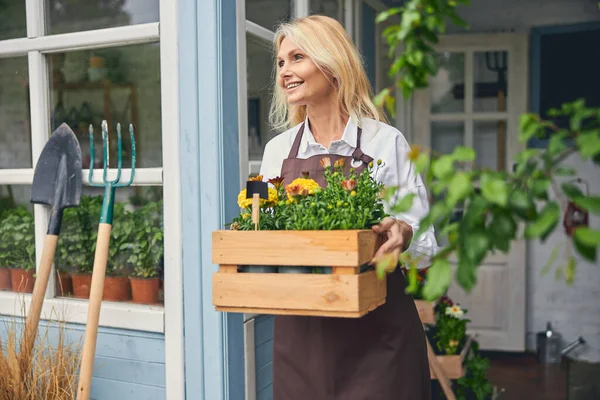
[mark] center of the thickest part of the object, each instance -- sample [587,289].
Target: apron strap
[296,146]
[357,155]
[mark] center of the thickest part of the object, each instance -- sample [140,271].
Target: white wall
[573,310]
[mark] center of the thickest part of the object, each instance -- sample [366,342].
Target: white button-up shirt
[381,142]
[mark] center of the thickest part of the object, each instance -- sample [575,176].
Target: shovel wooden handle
[93,317]
[37,298]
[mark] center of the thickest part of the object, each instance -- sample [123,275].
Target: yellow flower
[301,186]
[339,163]
[258,178]
[414,152]
[243,202]
[353,193]
[245,215]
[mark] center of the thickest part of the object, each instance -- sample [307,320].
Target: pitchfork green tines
[110,186]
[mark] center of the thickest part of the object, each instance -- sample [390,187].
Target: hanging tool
[101,253]
[56,184]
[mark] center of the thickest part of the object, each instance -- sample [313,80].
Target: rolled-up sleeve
[401,173]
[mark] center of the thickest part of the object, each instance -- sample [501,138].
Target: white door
[475,100]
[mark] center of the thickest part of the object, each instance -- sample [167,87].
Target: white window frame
[36,46]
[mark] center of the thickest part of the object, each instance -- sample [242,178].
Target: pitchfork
[101,254]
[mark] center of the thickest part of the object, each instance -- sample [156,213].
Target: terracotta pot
[22,281]
[81,285]
[145,290]
[5,281]
[116,288]
[64,283]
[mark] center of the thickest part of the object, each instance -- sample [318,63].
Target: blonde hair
[328,45]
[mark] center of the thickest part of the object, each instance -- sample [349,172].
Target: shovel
[101,254]
[57,184]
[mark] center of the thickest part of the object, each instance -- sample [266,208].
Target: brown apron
[381,356]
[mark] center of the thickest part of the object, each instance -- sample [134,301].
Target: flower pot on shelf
[116,288]
[5,280]
[64,283]
[346,292]
[145,290]
[81,285]
[453,365]
[426,311]
[22,280]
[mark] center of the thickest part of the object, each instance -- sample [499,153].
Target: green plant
[475,383]
[450,327]
[347,202]
[122,236]
[494,203]
[77,240]
[148,248]
[17,241]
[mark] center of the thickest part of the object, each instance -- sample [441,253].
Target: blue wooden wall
[263,337]
[128,365]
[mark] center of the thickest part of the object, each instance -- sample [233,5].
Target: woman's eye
[280,64]
[298,57]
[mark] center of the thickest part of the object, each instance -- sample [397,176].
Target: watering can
[549,343]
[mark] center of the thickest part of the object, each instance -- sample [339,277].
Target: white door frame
[514,335]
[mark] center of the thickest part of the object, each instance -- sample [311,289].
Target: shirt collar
[349,136]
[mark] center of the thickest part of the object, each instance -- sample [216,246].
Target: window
[81,62]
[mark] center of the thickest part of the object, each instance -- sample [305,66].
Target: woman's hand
[399,235]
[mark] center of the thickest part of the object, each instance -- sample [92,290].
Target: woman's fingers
[394,242]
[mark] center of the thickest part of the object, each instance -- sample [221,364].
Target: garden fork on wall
[101,253]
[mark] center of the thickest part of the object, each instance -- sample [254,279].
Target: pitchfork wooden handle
[37,298]
[93,317]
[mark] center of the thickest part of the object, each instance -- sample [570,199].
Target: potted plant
[18,234]
[116,283]
[81,244]
[70,251]
[5,245]
[147,253]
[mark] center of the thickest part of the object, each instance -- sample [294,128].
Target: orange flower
[258,178]
[349,184]
[277,182]
[296,190]
[340,163]
[325,162]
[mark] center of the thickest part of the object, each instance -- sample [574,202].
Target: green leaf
[528,126]
[545,222]
[583,247]
[587,236]
[439,276]
[589,145]
[443,167]
[380,98]
[570,271]
[409,17]
[590,203]
[572,191]
[460,187]
[475,213]
[422,162]
[503,229]
[465,273]
[495,191]
[540,187]
[476,245]
[551,260]
[556,144]
[564,171]
[464,154]
[404,204]
[430,64]
[522,203]
[390,105]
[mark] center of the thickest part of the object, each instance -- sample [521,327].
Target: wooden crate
[346,292]
[453,365]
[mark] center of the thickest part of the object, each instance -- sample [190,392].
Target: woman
[323,96]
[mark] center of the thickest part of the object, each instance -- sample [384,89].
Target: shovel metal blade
[57,179]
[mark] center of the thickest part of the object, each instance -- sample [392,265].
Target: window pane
[17,242]
[12,19]
[268,13]
[447,88]
[331,8]
[260,67]
[121,85]
[445,136]
[136,248]
[489,141]
[83,15]
[15,132]
[490,71]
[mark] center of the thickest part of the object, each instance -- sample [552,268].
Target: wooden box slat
[299,294]
[426,311]
[340,248]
